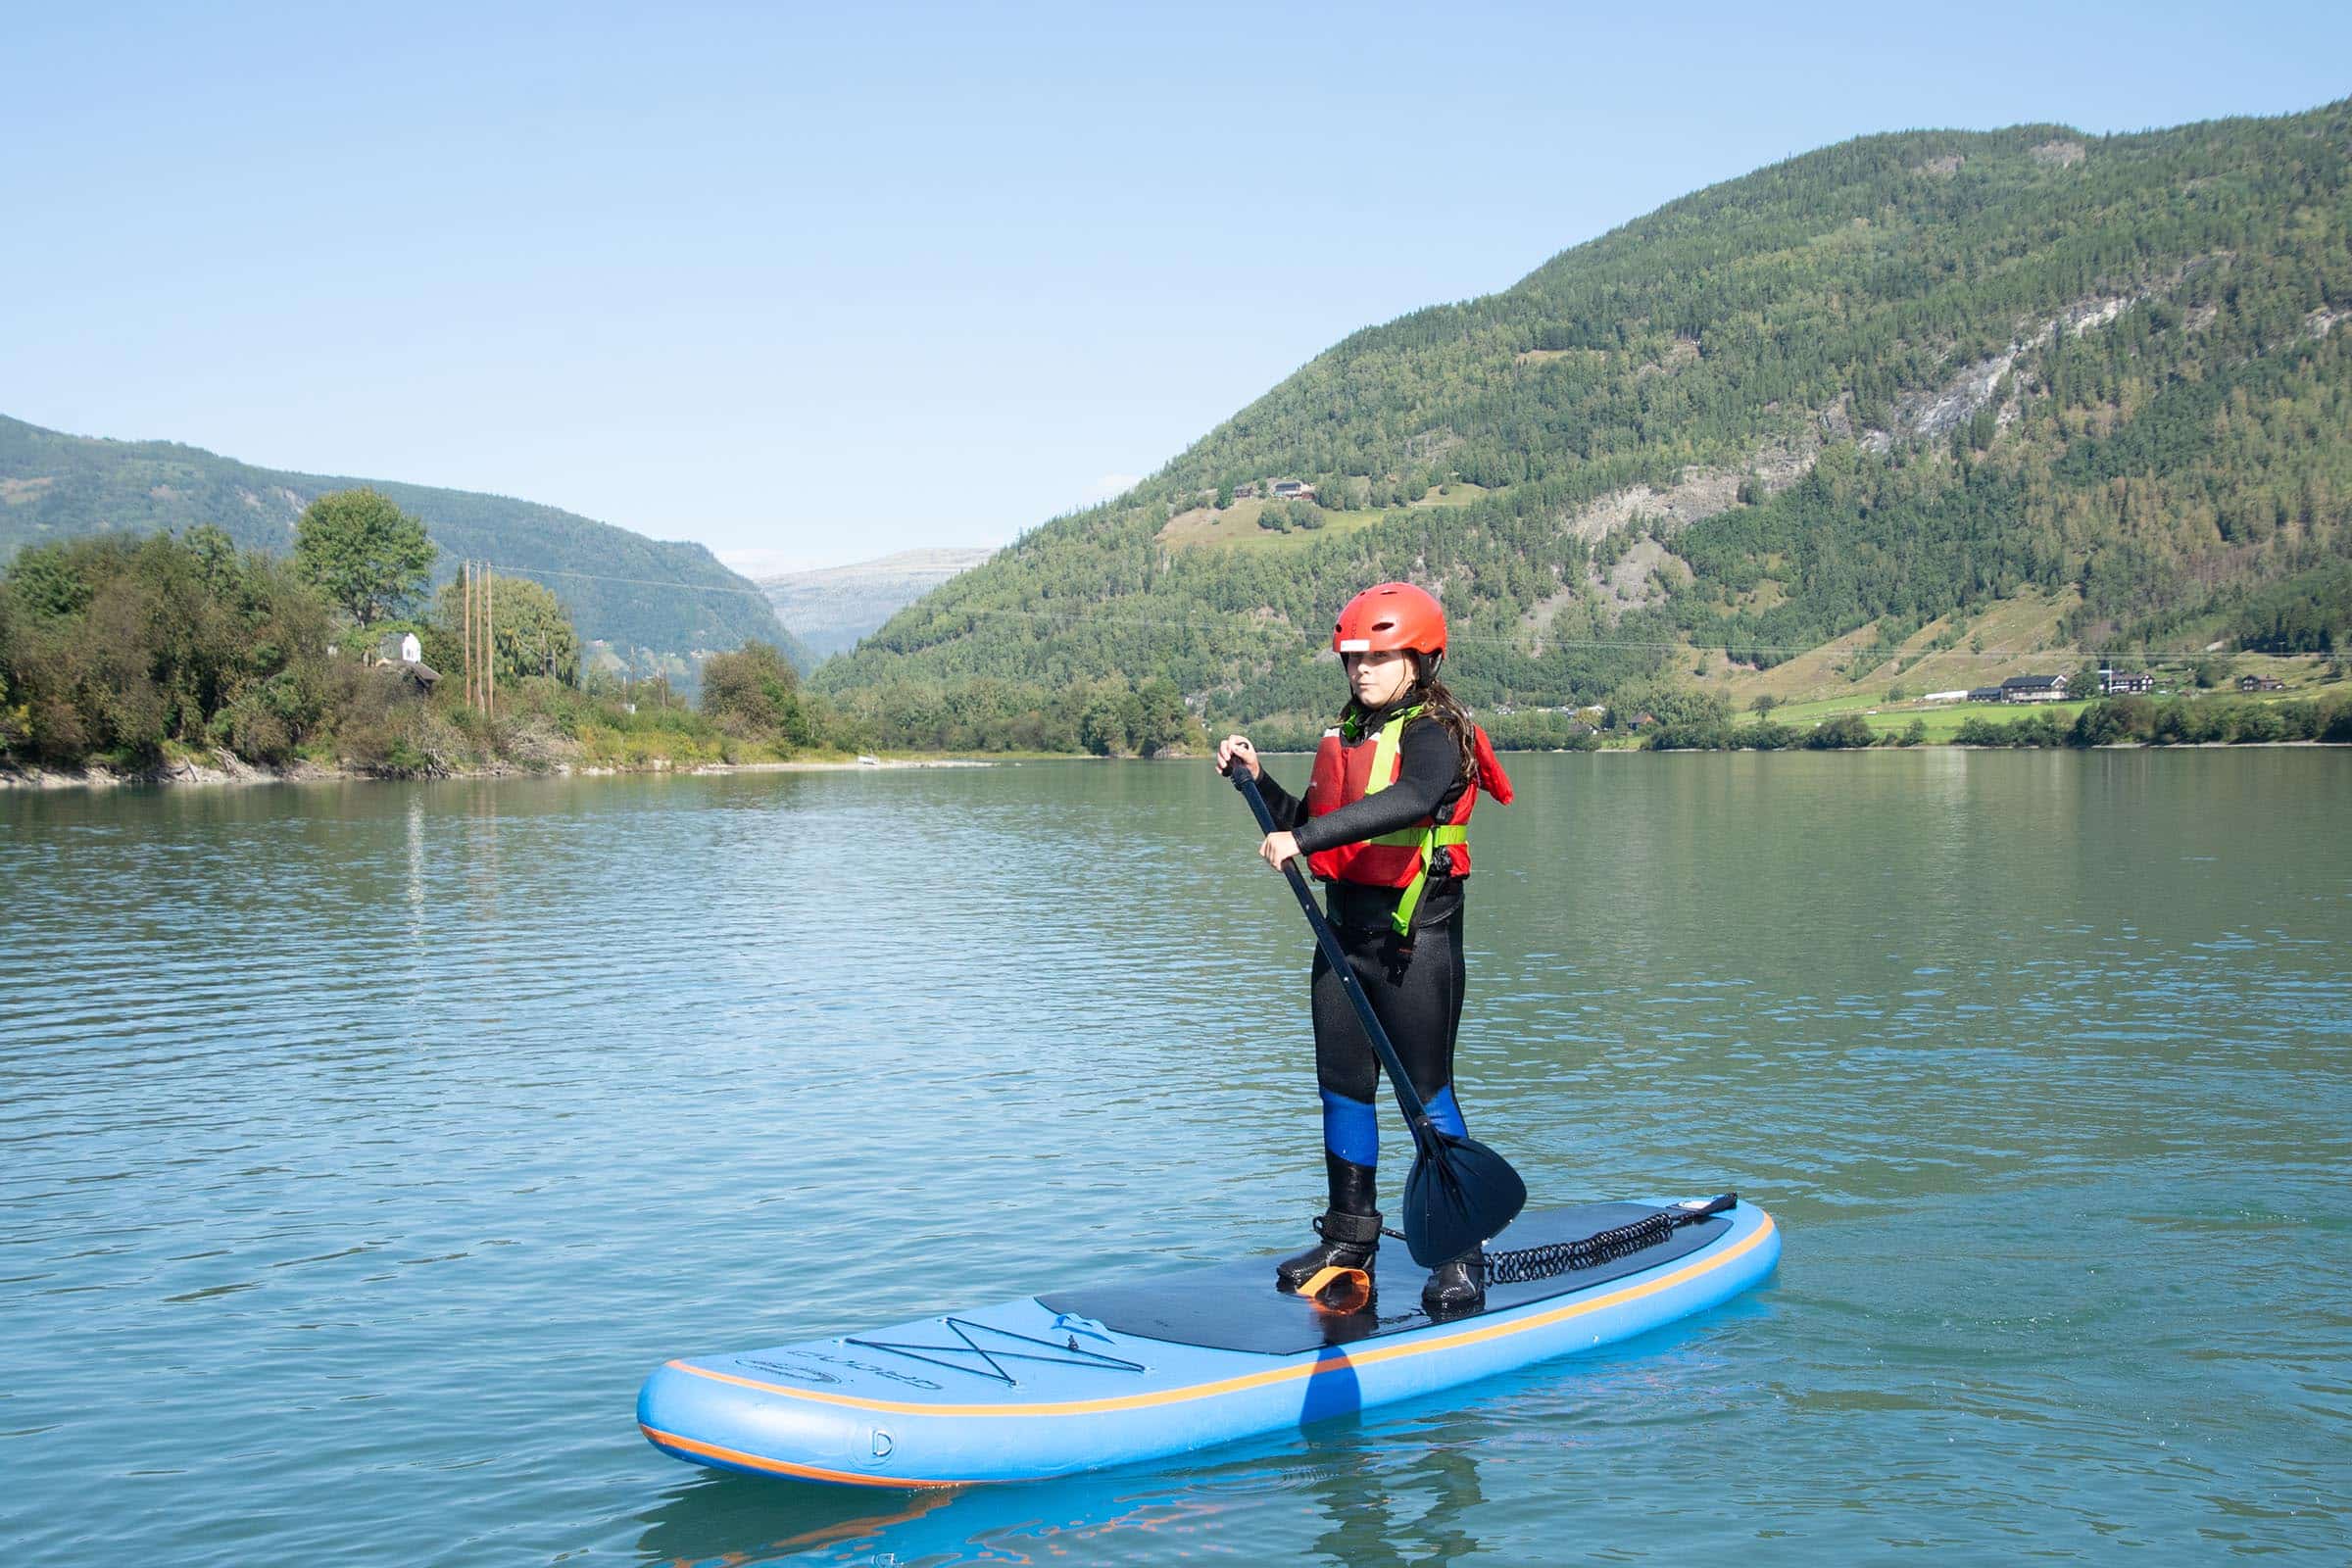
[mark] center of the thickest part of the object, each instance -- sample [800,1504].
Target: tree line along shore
[1703,724]
[164,655]
[182,656]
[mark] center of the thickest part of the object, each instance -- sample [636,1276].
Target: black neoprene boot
[1456,1285]
[1349,1227]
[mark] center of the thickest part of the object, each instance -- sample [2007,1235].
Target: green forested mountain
[1889,382]
[671,599]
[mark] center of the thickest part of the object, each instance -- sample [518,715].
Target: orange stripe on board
[783,1467]
[1257,1380]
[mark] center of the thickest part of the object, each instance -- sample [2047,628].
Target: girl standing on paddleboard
[1384,826]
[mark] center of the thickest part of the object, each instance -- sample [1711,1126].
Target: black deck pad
[1235,1307]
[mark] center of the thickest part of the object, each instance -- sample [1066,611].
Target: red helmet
[1389,617]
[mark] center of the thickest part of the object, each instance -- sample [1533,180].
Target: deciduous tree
[530,630]
[755,692]
[366,555]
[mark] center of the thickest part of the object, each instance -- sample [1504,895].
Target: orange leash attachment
[1339,1291]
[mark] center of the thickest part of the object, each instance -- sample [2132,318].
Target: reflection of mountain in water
[1389,1498]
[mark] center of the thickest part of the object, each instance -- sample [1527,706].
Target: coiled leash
[1529,1263]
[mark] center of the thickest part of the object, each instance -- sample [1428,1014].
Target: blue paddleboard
[1161,1364]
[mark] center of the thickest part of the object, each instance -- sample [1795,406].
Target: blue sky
[809,285]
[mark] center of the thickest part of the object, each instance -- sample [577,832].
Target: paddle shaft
[1408,1099]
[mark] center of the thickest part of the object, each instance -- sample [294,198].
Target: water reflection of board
[1163,1363]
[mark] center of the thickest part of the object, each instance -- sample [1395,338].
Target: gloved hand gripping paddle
[1460,1191]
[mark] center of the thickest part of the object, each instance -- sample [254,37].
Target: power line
[642,582]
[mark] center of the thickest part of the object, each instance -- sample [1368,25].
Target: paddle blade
[1460,1193]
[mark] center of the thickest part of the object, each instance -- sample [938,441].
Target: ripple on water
[365,1147]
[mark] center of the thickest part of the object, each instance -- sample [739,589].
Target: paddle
[1460,1191]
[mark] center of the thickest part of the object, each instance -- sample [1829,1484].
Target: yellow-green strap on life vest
[1429,838]
[1432,838]
[1383,755]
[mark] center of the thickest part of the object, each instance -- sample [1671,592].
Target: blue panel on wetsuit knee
[1350,1129]
[1446,1114]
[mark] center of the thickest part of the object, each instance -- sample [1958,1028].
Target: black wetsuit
[1417,992]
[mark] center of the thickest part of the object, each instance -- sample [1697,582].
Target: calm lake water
[362,1148]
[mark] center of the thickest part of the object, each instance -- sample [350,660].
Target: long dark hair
[1435,703]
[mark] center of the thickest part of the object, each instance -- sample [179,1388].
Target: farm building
[2034,689]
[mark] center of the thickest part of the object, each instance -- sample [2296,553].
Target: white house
[403,652]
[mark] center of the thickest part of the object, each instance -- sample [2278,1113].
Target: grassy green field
[1460,493]
[1804,715]
[1237,526]
[1942,720]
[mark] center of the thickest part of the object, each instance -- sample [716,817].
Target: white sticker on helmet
[1355,645]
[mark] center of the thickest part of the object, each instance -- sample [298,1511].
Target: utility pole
[480,677]
[466,619]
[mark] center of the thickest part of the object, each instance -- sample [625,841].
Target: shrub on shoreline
[113,648]
[128,651]
[1845,732]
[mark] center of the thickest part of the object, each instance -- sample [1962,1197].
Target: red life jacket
[1346,771]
